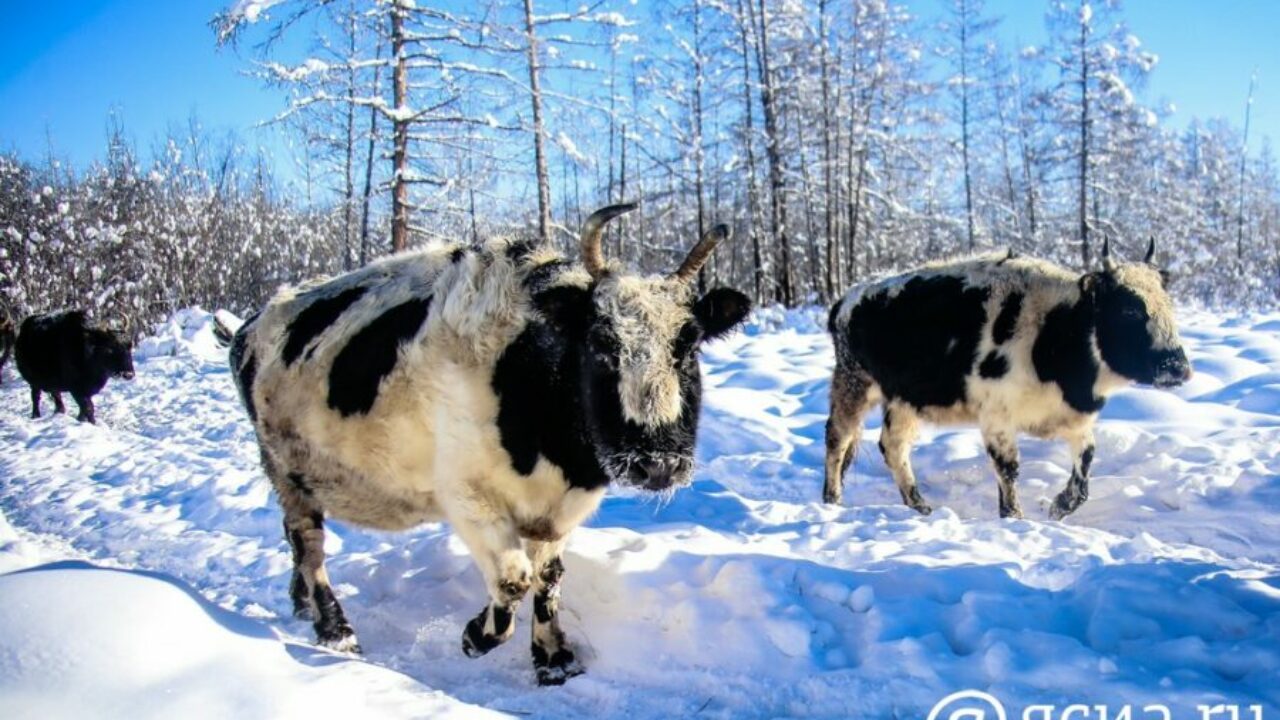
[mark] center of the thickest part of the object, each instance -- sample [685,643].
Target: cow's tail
[243,369]
[852,395]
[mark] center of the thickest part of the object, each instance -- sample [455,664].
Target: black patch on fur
[554,667]
[299,483]
[1007,320]
[331,624]
[1086,460]
[552,572]
[477,642]
[371,354]
[542,607]
[540,276]
[537,380]
[457,255]
[1007,467]
[314,320]
[502,619]
[920,344]
[993,366]
[1125,341]
[245,369]
[297,586]
[519,250]
[248,371]
[1063,354]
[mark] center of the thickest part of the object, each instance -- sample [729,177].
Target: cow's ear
[720,311]
[568,309]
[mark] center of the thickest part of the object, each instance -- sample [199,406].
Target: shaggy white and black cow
[500,388]
[1013,344]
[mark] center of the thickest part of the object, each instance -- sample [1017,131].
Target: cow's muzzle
[126,375]
[658,473]
[1173,370]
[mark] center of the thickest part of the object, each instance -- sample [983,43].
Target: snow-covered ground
[148,575]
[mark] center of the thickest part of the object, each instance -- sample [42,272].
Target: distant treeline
[840,140]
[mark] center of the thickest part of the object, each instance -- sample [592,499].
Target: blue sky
[65,65]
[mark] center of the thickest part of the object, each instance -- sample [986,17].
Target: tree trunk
[964,119]
[773,155]
[400,128]
[697,132]
[1084,143]
[753,192]
[828,181]
[539,149]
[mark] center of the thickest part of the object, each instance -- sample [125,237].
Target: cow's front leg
[35,402]
[85,403]
[1077,490]
[58,407]
[497,549]
[1002,447]
[553,660]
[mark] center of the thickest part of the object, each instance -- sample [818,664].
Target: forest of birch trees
[839,138]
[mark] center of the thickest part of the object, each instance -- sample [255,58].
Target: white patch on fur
[647,314]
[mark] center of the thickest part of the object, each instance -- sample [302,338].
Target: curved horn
[1107,263]
[1151,251]
[698,256]
[592,229]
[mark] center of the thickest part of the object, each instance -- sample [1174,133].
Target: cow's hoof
[923,509]
[1010,513]
[343,643]
[560,667]
[475,641]
[1058,511]
[831,498]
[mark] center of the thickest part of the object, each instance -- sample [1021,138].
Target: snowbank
[167,652]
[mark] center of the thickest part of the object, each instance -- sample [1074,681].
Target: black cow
[1008,343]
[61,352]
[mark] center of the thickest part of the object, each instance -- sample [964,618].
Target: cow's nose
[1174,369]
[128,375]
[653,473]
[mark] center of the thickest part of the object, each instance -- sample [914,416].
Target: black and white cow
[61,352]
[499,387]
[1013,344]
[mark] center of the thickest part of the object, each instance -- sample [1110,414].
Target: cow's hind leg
[309,588]
[896,436]
[58,407]
[1077,490]
[850,398]
[1002,447]
[35,402]
[499,552]
[553,660]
